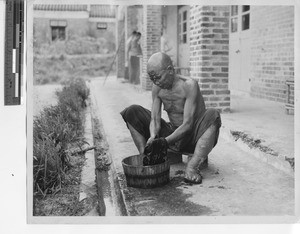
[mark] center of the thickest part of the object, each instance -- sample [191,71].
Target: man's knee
[215,114]
[210,137]
[131,112]
[211,130]
[133,108]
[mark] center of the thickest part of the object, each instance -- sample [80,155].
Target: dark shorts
[134,70]
[139,118]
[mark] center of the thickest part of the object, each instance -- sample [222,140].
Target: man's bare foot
[192,176]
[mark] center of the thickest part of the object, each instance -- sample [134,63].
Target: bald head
[158,61]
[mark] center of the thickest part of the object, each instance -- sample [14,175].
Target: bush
[53,131]
[74,94]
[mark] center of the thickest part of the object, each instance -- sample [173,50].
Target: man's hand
[156,146]
[150,140]
[155,151]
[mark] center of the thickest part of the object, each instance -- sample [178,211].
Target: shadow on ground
[169,200]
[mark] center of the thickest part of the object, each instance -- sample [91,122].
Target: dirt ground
[66,201]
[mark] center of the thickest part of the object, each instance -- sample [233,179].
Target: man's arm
[155,123]
[190,107]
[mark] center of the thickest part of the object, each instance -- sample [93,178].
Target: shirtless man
[192,127]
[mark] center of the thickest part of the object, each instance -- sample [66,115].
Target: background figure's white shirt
[126,49]
[166,48]
[164,45]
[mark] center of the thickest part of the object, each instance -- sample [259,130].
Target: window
[58,29]
[102,26]
[183,27]
[58,33]
[239,18]
[245,22]
[184,39]
[245,17]
[246,8]
[184,15]
[234,24]
[234,20]
[234,10]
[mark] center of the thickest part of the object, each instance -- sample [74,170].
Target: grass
[54,131]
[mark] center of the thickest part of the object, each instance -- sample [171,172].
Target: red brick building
[226,49]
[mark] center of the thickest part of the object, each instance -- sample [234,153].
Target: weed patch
[55,130]
[253,143]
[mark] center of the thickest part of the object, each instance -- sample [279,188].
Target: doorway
[239,48]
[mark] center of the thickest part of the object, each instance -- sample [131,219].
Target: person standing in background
[134,53]
[126,75]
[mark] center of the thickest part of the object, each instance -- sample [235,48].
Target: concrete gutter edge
[279,162]
[87,184]
[117,193]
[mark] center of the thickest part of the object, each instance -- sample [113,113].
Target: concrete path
[235,183]
[263,120]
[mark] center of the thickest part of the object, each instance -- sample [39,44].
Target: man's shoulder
[188,82]
[187,79]
[190,87]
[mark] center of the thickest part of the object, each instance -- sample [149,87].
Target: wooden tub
[140,176]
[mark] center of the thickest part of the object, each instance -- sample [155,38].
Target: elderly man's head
[158,62]
[160,70]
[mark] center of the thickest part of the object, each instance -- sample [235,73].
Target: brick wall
[150,39]
[209,53]
[121,53]
[272,51]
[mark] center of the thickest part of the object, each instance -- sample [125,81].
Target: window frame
[238,16]
[58,26]
[183,27]
[244,14]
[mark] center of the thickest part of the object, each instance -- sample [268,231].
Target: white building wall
[170,16]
